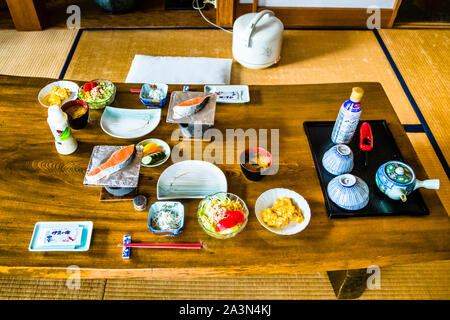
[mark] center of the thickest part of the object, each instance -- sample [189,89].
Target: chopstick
[164,245]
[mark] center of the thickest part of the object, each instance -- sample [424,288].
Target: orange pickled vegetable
[152,150]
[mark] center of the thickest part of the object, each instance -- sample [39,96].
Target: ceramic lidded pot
[348,192]
[338,159]
[397,180]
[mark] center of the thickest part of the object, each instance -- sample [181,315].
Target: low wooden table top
[38,184]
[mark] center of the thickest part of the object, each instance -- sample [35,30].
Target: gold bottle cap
[357,94]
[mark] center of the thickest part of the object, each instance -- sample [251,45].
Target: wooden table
[38,184]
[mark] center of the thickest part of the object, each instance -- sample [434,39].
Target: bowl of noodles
[222,215]
[282,211]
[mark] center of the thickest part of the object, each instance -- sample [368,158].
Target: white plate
[160,143]
[129,123]
[267,200]
[190,179]
[72,86]
[242,91]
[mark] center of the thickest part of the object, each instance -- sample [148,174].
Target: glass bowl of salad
[222,215]
[97,93]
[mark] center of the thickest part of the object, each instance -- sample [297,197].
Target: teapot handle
[252,25]
[428,184]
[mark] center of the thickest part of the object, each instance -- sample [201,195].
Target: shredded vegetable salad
[220,214]
[166,219]
[96,94]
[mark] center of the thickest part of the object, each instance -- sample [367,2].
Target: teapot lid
[399,172]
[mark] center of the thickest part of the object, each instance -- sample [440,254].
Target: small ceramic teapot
[397,180]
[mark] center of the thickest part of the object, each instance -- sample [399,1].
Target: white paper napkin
[179,70]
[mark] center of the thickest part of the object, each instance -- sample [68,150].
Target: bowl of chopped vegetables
[222,215]
[155,152]
[166,218]
[97,93]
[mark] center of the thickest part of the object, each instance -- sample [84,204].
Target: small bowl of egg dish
[282,211]
[57,93]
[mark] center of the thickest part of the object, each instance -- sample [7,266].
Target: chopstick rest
[126,250]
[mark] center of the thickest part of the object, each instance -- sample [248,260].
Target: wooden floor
[307,57]
[151,14]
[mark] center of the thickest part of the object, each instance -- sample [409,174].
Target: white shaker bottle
[59,125]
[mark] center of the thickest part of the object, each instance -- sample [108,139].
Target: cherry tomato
[225,223]
[236,215]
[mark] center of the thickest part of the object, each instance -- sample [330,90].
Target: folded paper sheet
[179,70]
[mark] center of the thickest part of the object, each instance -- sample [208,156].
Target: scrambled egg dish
[283,212]
[57,96]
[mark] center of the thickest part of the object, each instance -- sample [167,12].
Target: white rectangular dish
[81,242]
[229,94]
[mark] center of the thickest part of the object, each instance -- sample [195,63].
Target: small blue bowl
[148,102]
[338,159]
[348,192]
[174,206]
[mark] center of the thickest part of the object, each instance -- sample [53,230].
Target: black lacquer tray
[384,150]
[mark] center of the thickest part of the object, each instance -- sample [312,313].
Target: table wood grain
[38,184]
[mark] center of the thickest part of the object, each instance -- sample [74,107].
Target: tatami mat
[434,170]
[307,57]
[429,281]
[283,287]
[422,56]
[34,54]
[50,289]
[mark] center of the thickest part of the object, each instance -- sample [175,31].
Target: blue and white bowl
[145,94]
[348,192]
[176,208]
[338,159]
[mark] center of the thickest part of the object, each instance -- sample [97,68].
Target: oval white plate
[72,86]
[160,143]
[129,123]
[190,179]
[267,200]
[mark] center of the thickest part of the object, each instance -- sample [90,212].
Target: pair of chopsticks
[163,245]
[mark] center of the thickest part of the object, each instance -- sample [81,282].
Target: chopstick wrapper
[179,70]
[125,178]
